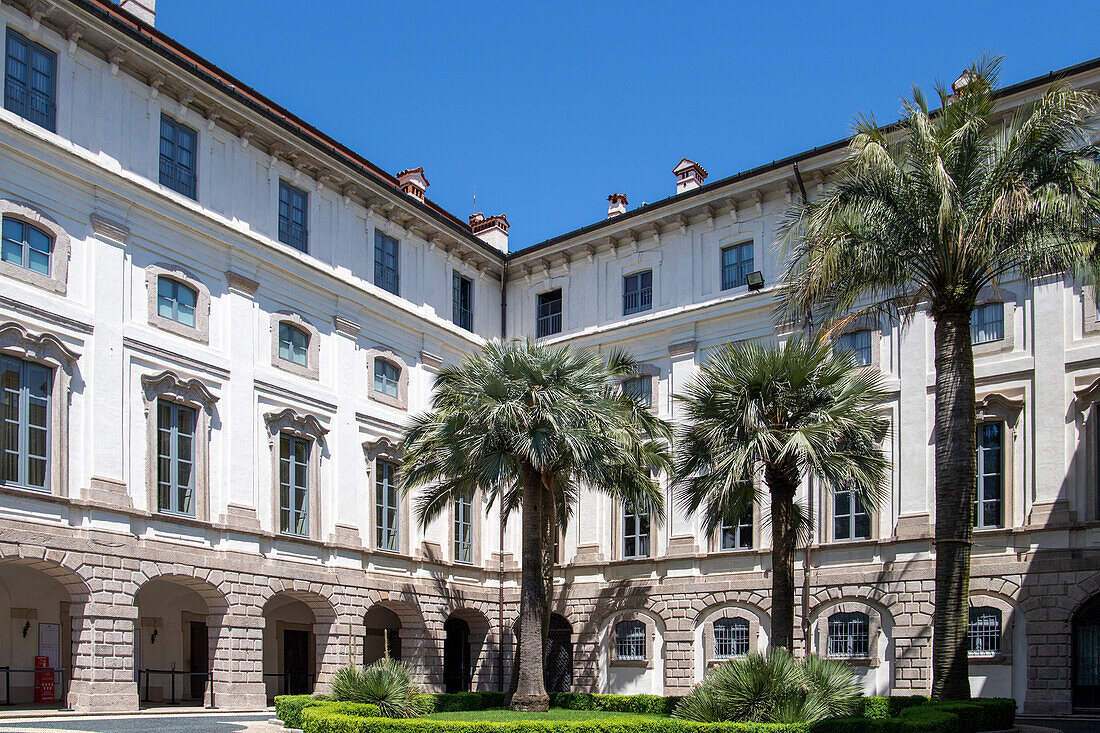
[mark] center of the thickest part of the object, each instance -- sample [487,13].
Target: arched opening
[294,644]
[558,669]
[179,620]
[382,634]
[1086,656]
[457,663]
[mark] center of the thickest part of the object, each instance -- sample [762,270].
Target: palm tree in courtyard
[928,215]
[787,410]
[530,425]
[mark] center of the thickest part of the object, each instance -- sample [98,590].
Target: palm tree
[925,216]
[788,410]
[531,425]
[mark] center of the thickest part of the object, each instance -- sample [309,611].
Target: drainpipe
[500,507]
[801,185]
[807,571]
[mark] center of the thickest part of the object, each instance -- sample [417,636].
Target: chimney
[413,182]
[493,230]
[616,205]
[689,175]
[143,10]
[959,84]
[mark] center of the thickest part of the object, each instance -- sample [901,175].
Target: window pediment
[170,385]
[37,346]
[295,423]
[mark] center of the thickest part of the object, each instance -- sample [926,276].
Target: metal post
[172,674]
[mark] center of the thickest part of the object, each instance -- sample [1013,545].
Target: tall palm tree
[531,425]
[925,216]
[787,410]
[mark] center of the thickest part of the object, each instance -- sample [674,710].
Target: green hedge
[320,720]
[455,702]
[288,708]
[888,707]
[651,704]
[916,715]
[981,714]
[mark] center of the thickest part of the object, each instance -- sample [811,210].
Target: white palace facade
[215,320]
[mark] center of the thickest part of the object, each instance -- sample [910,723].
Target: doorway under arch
[457,667]
[1086,656]
[382,634]
[558,668]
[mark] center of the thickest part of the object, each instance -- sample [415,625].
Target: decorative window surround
[828,503]
[864,323]
[617,549]
[385,449]
[723,613]
[476,510]
[201,330]
[998,407]
[714,542]
[1090,322]
[650,633]
[58,279]
[401,401]
[47,349]
[312,369]
[654,373]
[309,428]
[194,394]
[1087,399]
[1008,611]
[1009,298]
[874,627]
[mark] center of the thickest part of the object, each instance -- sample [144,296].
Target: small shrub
[387,683]
[288,708]
[649,704]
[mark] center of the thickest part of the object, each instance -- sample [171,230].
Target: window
[637,292]
[731,637]
[462,306]
[983,631]
[990,489]
[630,640]
[385,263]
[549,314]
[987,323]
[635,533]
[736,535]
[736,265]
[293,344]
[176,301]
[293,485]
[387,375]
[175,458]
[293,217]
[639,389]
[24,423]
[850,518]
[464,529]
[859,343]
[386,505]
[26,246]
[848,635]
[29,82]
[177,156]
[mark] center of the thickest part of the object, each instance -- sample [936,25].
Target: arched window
[387,376]
[983,631]
[293,344]
[849,635]
[26,246]
[731,638]
[630,640]
[176,301]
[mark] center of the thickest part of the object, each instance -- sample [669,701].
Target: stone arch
[413,640]
[482,655]
[632,676]
[1003,674]
[703,630]
[877,670]
[315,635]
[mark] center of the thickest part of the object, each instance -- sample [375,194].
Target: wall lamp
[755,280]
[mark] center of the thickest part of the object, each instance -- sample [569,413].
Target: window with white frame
[387,377]
[850,518]
[548,316]
[25,388]
[849,635]
[175,458]
[387,506]
[25,245]
[736,534]
[176,301]
[987,323]
[640,389]
[637,292]
[293,344]
[464,529]
[737,263]
[293,216]
[858,342]
[989,494]
[983,631]
[630,640]
[30,81]
[635,532]
[386,275]
[178,150]
[731,638]
[294,485]
[462,301]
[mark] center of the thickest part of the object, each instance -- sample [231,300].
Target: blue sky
[543,109]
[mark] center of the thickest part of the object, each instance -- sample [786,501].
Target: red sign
[43,681]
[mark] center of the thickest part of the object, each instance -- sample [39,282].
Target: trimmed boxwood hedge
[291,708]
[651,704]
[319,720]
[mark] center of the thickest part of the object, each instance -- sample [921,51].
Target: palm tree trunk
[956,472]
[782,480]
[530,693]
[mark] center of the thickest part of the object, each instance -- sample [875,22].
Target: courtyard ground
[169,723]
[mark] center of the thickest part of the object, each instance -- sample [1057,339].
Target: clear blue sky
[544,109]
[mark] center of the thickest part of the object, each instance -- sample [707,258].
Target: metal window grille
[464,529]
[731,637]
[737,535]
[462,306]
[859,343]
[737,263]
[176,301]
[987,323]
[30,81]
[850,518]
[635,533]
[637,292]
[293,217]
[293,485]
[639,389]
[549,314]
[293,344]
[24,423]
[175,458]
[26,246]
[983,631]
[989,496]
[386,377]
[385,263]
[630,640]
[178,154]
[848,635]
[386,506]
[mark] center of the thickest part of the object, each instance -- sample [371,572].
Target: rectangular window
[387,377]
[385,263]
[464,529]
[640,389]
[637,292]
[549,314]
[386,506]
[178,151]
[176,301]
[293,344]
[848,635]
[630,640]
[30,81]
[175,458]
[635,533]
[462,305]
[850,518]
[859,343]
[293,485]
[731,638]
[987,323]
[293,217]
[25,245]
[736,535]
[24,423]
[989,496]
[736,265]
[983,631]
